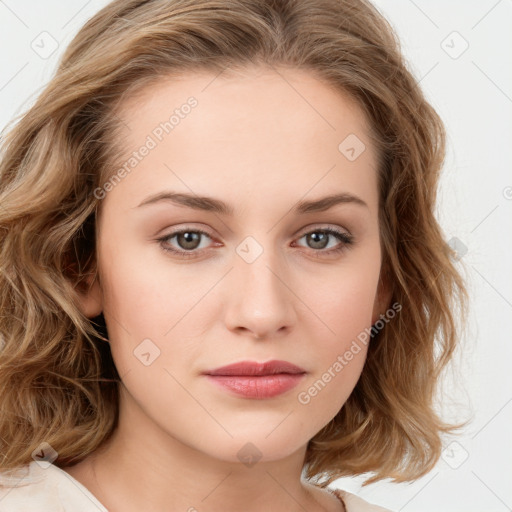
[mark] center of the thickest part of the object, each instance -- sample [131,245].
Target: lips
[253,368]
[253,380]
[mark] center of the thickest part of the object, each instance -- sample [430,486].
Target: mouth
[257,380]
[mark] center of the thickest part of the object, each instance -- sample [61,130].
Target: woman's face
[263,283]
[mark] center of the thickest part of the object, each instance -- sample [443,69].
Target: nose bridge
[258,268]
[261,301]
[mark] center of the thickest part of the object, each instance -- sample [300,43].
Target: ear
[382,297]
[90,297]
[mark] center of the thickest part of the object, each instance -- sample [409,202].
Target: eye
[319,240]
[189,240]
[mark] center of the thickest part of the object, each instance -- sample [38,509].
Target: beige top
[36,488]
[351,502]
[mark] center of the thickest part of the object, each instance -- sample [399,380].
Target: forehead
[254,131]
[276,96]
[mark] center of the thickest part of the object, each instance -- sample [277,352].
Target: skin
[260,141]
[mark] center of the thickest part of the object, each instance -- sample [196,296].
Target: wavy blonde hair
[58,381]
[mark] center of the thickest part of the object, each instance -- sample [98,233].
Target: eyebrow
[211,204]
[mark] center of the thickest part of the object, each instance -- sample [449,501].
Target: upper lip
[255,368]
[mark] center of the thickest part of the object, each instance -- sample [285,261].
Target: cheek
[139,291]
[340,351]
[152,307]
[344,300]
[322,396]
[344,305]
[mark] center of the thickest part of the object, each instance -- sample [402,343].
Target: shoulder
[44,489]
[354,503]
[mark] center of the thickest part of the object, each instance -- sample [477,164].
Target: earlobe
[90,296]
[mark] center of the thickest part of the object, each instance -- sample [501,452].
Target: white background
[473,94]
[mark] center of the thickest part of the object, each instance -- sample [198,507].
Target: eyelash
[345,239]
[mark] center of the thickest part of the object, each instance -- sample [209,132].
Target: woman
[223,285]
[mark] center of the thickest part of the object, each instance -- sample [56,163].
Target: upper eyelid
[300,234]
[302,231]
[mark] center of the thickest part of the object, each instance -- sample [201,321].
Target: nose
[260,301]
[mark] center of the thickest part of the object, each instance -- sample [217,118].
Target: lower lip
[263,386]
